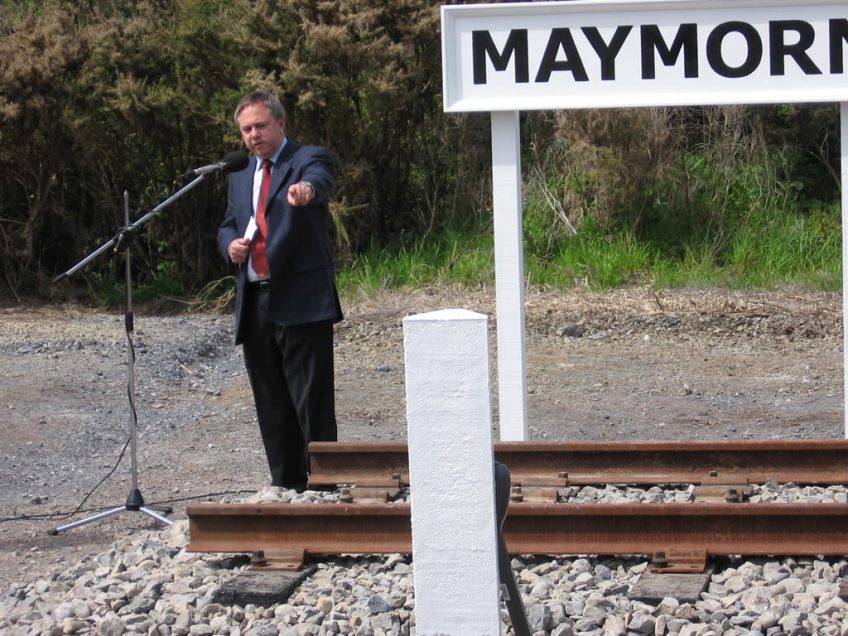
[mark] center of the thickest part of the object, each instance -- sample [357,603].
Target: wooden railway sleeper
[738,493]
[679,561]
[533,494]
[372,491]
[539,489]
[278,559]
[369,494]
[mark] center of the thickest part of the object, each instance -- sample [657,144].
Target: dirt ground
[629,364]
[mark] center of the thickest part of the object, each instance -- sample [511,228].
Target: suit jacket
[303,288]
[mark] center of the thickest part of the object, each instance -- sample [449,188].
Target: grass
[727,217]
[760,252]
[763,242]
[449,258]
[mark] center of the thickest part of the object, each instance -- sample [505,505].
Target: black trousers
[291,374]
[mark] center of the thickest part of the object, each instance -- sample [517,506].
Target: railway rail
[679,537]
[610,462]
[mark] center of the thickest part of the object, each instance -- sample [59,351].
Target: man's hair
[261,97]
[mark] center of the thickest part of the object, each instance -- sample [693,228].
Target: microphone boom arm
[125,234]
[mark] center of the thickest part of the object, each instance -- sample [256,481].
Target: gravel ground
[630,364]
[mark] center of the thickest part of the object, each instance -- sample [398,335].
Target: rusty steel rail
[605,529]
[607,462]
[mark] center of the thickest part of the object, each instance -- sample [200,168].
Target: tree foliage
[101,97]
[121,95]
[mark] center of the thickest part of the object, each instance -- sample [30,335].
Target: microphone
[231,162]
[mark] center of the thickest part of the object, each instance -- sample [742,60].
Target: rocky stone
[197,435]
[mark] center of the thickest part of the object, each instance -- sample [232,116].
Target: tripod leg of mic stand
[130,506]
[156,515]
[91,519]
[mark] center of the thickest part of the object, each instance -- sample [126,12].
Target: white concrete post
[509,275]
[451,472]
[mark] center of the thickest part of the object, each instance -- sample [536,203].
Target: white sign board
[623,53]
[507,57]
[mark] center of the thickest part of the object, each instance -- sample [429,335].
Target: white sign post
[504,58]
[844,149]
[509,275]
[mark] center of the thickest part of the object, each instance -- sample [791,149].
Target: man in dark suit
[276,231]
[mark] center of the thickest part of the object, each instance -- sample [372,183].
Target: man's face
[262,134]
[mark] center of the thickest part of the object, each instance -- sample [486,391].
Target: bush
[129,95]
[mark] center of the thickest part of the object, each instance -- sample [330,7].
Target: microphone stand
[122,240]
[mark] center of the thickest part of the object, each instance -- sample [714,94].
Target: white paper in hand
[251,229]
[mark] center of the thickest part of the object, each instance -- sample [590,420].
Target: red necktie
[257,246]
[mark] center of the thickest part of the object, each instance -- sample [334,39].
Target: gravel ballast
[151,585]
[630,364]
